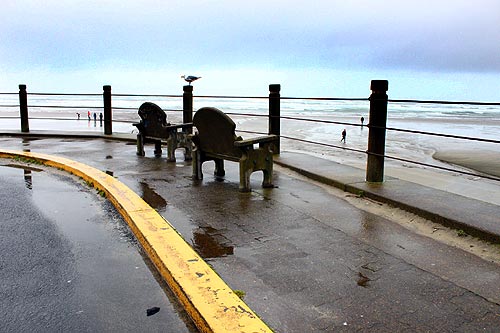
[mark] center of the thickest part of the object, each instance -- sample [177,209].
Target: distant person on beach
[362,120]
[344,133]
[100,118]
[88,114]
[78,115]
[95,117]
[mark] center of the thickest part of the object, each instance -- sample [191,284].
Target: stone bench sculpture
[154,127]
[216,141]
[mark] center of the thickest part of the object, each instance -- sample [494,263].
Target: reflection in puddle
[209,244]
[152,198]
[362,280]
[207,241]
[26,143]
[28,179]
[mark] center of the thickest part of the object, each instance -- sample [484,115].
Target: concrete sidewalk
[309,261]
[477,218]
[211,304]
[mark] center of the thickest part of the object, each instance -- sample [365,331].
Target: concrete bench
[216,141]
[154,128]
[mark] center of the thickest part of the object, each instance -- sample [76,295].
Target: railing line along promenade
[376,123]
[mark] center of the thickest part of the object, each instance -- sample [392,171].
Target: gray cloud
[423,35]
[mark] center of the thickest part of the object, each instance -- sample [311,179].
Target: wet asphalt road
[69,263]
[307,260]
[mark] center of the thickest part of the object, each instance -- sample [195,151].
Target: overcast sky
[440,49]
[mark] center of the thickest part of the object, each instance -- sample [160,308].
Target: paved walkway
[69,264]
[308,260]
[475,217]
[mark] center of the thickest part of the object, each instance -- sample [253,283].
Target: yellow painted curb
[212,305]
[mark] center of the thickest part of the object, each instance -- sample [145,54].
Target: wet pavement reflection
[27,170]
[209,243]
[152,198]
[307,259]
[70,263]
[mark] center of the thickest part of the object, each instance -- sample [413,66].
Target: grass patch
[27,160]
[240,293]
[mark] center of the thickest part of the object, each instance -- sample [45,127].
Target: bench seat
[154,128]
[216,141]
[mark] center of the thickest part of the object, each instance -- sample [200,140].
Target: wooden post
[187,107]
[108,117]
[23,108]
[275,114]
[376,135]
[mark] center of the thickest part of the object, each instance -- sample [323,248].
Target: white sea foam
[476,121]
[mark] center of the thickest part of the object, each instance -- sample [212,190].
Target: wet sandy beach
[462,155]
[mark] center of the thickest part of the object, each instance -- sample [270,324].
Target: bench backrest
[215,132]
[154,119]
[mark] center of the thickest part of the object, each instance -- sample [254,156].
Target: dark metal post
[187,107]
[108,117]
[23,108]
[275,114]
[376,135]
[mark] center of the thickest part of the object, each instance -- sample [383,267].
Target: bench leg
[244,178]
[268,173]
[197,163]
[219,167]
[140,145]
[158,148]
[268,178]
[188,152]
[171,146]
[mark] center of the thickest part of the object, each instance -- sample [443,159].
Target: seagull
[190,78]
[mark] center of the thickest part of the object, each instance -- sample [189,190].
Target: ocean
[59,113]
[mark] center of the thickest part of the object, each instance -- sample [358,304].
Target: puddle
[27,170]
[207,241]
[28,180]
[152,198]
[26,143]
[27,140]
[210,244]
[362,280]
[24,167]
[82,251]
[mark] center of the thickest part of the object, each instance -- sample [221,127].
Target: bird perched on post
[190,78]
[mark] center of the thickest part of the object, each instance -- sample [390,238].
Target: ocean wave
[260,106]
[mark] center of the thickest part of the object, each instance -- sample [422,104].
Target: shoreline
[454,182]
[483,161]
[471,155]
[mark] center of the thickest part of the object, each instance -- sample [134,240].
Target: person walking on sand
[344,133]
[100,118]
[78,114]
[88,114]
[362,120]
[95,117]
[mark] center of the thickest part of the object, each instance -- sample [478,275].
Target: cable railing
[312,116]
[443,102]
[385,156]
